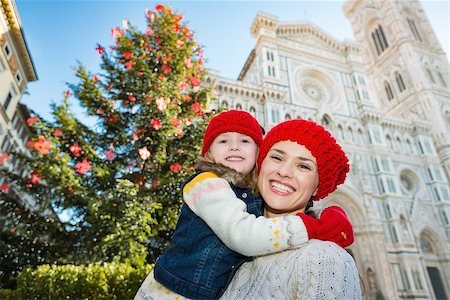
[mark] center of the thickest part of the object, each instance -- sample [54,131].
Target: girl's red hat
[232,121]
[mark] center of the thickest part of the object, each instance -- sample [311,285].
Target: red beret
[232,121]
[332,163]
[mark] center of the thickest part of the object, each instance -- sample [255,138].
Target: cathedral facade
[386,99]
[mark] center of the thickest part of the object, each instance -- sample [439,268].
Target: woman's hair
[309,205]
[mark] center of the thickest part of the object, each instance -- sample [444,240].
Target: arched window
[238,106]
[430,76]
[287,117]
[399,144]
[400,83]
[410,147]
[253,111]
[444,218]
[406,236]
[389,142]
[414,30]
[326,122]
[425,245]
[387,88]
[379,40]
[360,137]
[441,78]
[350,135]
[275,116]
[340,133]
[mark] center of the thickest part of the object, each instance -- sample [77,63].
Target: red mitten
[311,225]
[335,227]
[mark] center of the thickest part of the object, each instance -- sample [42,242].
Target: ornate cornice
[290,29]
[372,115]
[236,87]
[14,25]
[263,20]
[274,92]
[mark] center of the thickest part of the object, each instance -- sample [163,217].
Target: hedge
[95,281]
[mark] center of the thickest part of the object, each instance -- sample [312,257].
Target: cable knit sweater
[317,270]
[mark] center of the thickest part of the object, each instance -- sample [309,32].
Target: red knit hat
[232,121]
[332,163]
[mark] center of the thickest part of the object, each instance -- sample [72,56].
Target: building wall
[397,194]
[16,70]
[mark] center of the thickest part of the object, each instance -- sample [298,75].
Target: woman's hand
[333,226]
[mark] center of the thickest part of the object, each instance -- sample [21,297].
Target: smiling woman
[299,161]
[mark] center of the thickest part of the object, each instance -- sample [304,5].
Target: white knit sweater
[317,270]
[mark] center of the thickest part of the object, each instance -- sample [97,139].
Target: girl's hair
[252,177]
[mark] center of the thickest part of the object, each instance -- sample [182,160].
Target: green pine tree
[119,179]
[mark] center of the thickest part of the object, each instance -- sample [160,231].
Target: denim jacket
[198,265]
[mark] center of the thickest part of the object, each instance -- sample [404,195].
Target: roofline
[15,26]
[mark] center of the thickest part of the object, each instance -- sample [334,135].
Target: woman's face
[287,179]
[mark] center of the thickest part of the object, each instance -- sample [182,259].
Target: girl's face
[235,150]
[287,179]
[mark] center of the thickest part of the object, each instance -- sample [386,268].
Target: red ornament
[100,50]
[31,120]
[176,167]
[194,81]
[110,154]
[34,177]
[156,124]
[57,132]
[5,188]
[144,153]
[76,149]
[42,145]
[83,167]
[175,122]
[196,107]
[116,32]
[127,55]
[3,158]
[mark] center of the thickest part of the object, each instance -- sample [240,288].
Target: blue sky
[60,33]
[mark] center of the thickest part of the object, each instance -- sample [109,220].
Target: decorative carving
[13,64]
[313,89]
[415,113]
[2,39]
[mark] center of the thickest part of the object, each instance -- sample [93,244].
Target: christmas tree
[118,180]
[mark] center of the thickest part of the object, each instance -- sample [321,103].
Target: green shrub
[7,294]
[94,281]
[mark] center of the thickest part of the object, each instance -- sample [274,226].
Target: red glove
[311,224]
[335,227]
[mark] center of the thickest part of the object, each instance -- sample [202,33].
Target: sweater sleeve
[212,199]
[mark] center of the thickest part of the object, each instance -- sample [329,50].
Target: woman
[298,160]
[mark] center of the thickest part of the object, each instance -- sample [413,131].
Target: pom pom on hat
[232,121]
[332,163]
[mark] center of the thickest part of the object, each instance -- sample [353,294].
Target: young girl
[198,265]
